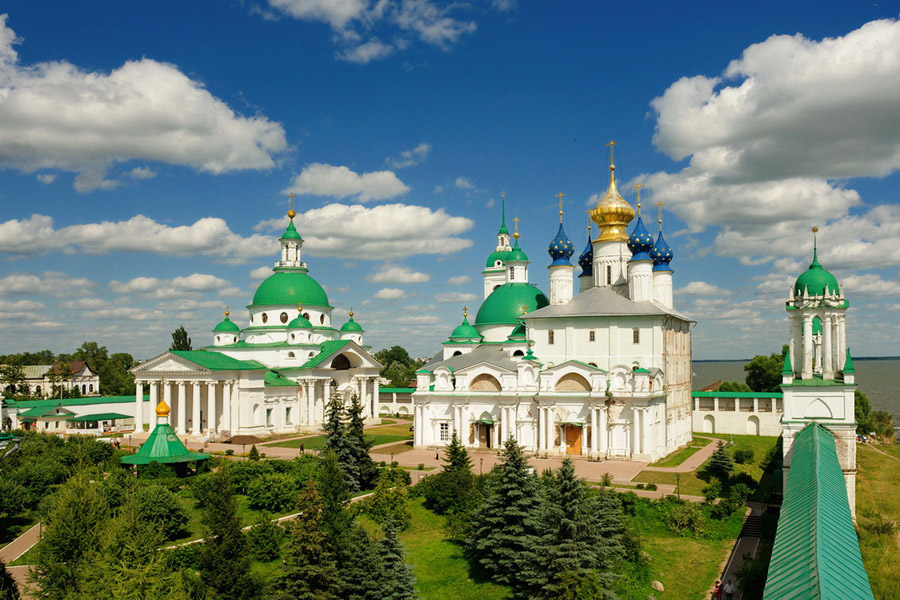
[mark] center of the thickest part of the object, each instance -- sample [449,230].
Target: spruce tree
[503,529]
[337,440]
[359,445]
[8,588]
[397,580]
[223,559]
[264,538]
[721,464]
[579,533]
[456,456]
[388,502]
[180,339]
[336,519]
[308,570]
[361,571]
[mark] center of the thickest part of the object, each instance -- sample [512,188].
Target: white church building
[604,372]
[274,375]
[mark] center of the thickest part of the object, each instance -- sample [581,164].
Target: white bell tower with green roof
[495,272]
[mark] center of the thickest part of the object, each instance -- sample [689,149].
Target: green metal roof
[816,381]
[163,446]
[41,411]
[817,281]
[350,326]
[277,379]
[391,390]
[290,287]
[291,232]
[786,369]
[326,350]
[99,417]
[493,257]
[505,305]
[816,553]
[71,401]
[216,361]
[227,325]
[848,363]
[737,395]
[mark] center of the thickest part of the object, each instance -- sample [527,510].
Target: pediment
[168,363]
[484,366]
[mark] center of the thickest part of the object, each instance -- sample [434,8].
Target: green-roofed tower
[163,445]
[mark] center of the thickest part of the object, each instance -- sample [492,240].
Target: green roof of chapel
[290,287]
[505,304]
[291,232]
[816,280]
[227,325]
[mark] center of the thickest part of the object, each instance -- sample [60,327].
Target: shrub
[650,486]
[246,472]
[629,502]
[182,557]
[388,502]
[12,497]
[421,466]
[639,486]
[264,538]
[451,492]
[254,453]
[273,492]
[606,480]
[744,479]
[229,452]
[743,456]
[713,490]
[157,505]
[686,520]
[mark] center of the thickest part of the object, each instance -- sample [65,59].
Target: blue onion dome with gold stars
[561,249]
[586,260]
[464,332]
[661,254]
[351,325]
[640,241]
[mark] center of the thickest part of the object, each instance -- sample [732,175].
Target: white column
[594,431]
[167,396]
[376,398]
[226,406]
[827,356]
[211,425]
[635,434]
[584,444]
[466,426]
[182,407]
[154,396]
[196,423]
[842,340]
[138,406]
[235,406]
[602,431]
[361,393]
[513,422]
[298,411]
[418,421]
[807,348]
[646,446]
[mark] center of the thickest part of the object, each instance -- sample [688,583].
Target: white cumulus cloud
[455,297]
[409,158]
[55,115]
[398,275]
[320,179]
[459,280]
[390,293]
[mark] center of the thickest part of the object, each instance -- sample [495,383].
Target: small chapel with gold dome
[600,368]
[273,375]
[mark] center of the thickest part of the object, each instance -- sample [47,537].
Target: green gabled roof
[641,370]
[737,395]
[423,371]
[589,366]
[848,363]
[163,446]
[391,390]
[787,369]
[325,350]
[216,361]
[99,417]
[816,553]
[41,411]
[72,401]
[277,379]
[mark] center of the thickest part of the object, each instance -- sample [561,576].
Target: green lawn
[440,569]
[693,484]
[377,435]
[876,501]
[682,454]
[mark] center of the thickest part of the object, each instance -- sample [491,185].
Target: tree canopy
[764,372]
[180,339]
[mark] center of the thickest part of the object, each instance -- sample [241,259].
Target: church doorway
[484,433]
[573,439]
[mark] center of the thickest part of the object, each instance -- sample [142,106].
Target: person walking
[717,590]
[729,590]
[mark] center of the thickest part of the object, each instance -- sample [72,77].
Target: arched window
[306,316]
[608,274]
[83,389]
[518,353]
[510,272]
[91,388]
[284,317]
[496,286]
[636,336]
[321,319]
[265,318]
[291,355]
[457,353]
[340,363]
[218,338]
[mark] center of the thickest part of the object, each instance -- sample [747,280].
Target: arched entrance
[753,425]
[709,424]
[483,431]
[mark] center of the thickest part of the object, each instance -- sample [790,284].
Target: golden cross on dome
[638,187]
[226,311]
[560,196]
[525,309]
[351,312]
[659,206]
[300,308]
[815,231]
[465,312]
[516,221]
[291,212]
[612,146]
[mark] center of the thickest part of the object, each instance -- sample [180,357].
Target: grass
[693,483]
[442,573]
[396,448]
[876,501]
[682,454]
[377,435]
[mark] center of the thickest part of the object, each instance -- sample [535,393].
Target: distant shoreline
[855,358]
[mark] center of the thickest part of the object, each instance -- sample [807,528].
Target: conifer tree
[309,571]
[397,581]
[180,339]
[264,538]
[361,572]
[253,454]
[359,445]
[388,502]
[337,440]
[721,464]
[223,559]
[8,588]
[504,527]
[579,533]
[456,456]
[336,519]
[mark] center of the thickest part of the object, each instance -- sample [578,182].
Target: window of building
[592,335]
[510,272]
[218,338]
[445,432]
[265,318]
[636,336]
[608,274]
[306,316]
[321,319]
[268,417]
[291,355]
[287,415]
[284,317]
[518,353]
[91,387]
[550,337]
[496,286]
[457,353]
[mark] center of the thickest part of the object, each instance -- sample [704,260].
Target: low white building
[739,413]
[41,379]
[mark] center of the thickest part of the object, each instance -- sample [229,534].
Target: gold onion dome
[162,409]
[612,214]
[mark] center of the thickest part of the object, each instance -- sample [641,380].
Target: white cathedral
[274,375]
[604,373]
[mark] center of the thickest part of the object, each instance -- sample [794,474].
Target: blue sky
[146,150]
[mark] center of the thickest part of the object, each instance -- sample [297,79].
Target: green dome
[505,304]
[290,287]
[464,331]
[817,281]
[516,254]
[291,232]
[300,322]
[518,333]
[351,326]
[227,325]
[493,257]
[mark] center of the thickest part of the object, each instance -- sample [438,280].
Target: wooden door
[573,439]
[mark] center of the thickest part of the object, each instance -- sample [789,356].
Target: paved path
[20,545]
[692,462]
[20,574]
[873,447]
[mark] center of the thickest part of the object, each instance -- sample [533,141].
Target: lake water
[878,379]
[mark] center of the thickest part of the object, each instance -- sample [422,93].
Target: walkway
[20,545]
